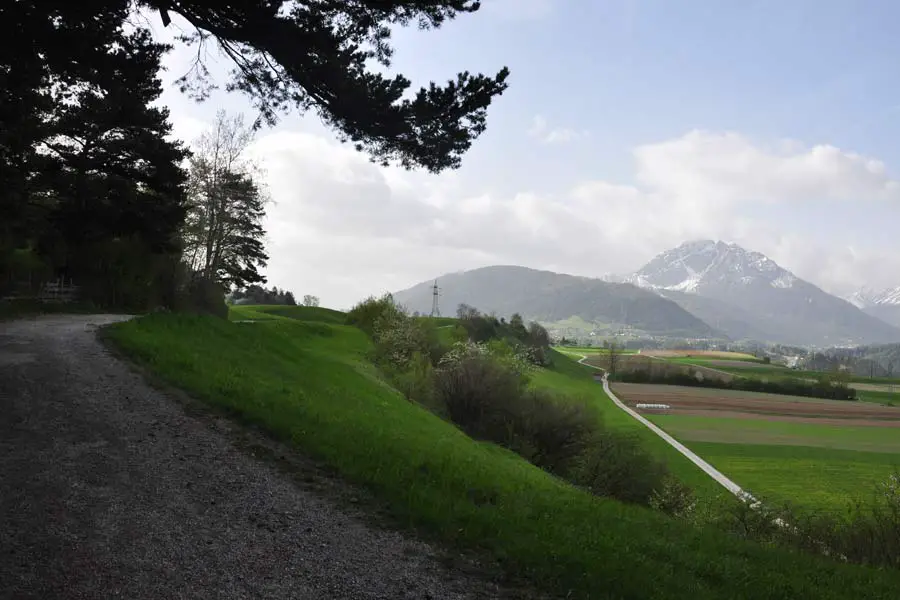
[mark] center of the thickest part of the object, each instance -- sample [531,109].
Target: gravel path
[109,488]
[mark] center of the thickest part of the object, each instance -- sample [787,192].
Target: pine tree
[315,54]
[94,185]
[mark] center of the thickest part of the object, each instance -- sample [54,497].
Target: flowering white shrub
[510,357]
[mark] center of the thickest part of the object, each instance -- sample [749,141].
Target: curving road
[108,488]
[707,468]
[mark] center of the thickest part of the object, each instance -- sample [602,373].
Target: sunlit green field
[815,466]
[816,478]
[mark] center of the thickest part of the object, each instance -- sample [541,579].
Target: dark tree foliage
[254,294]
[91,187]
[315,55]
[241,251]
[483,328]
[826,387]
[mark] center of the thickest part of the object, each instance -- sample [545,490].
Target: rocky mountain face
[753,296]
[882,304]
[548,297]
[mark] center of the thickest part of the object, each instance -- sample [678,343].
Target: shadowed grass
[308,383]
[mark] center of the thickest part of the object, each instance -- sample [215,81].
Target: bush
[674,498]
[416,381]
[488,398]
[551,432]
[371,310]
[616,465]
[477,391]
[203,296]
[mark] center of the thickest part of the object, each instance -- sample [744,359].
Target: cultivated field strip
[741,404]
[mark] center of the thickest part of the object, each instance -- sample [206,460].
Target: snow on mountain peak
[866,297]
[698,263]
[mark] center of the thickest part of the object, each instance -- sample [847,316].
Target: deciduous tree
[223,232]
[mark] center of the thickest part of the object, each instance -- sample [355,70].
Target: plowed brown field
[752,405]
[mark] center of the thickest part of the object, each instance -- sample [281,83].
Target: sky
[629,126]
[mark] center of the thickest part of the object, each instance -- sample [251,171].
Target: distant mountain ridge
[882,304]
[546,296]
[756,296]
[701,289]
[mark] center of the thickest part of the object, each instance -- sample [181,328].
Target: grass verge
[308,383]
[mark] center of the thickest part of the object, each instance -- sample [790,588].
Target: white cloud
[551,135]
[729,168]
[343,228]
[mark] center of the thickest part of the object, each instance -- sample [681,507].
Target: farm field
[581,350]
[740,404]
[753,367]
[732,363]
[818,454]
[883,398]
[824,478]
[702,355]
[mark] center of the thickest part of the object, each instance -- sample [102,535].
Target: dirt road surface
[109,489]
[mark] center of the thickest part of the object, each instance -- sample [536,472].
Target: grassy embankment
[308,382]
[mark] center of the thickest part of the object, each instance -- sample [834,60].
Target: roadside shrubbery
[789,387]
[482,385]
[484,388]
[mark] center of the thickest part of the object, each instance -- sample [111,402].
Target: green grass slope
[299,313]
[308,383]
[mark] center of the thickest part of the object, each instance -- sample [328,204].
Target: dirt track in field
[752,405]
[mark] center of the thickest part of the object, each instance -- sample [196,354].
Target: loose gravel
[109,488]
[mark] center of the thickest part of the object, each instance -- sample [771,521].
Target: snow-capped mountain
[866,297]
[882,304]
[698,265]
[771,300]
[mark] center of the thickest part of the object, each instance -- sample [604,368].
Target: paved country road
[110,489]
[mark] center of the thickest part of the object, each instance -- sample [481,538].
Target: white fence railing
[57,291]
